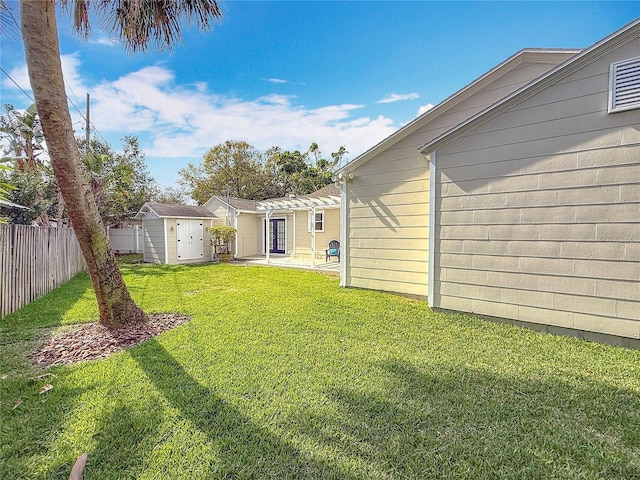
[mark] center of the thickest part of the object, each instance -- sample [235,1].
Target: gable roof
[525,55]
[330,190]
[165,210]
[241,204]
[325,196]
[625,34]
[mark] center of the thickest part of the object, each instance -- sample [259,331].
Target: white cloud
[276,80]
[70,66]
[425,108]
[106,41]
[20,76]
[185,121]
[395,97]
[179,123]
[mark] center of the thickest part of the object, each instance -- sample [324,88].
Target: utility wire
[71,90]
[81,114]
[70,101]
[16,84]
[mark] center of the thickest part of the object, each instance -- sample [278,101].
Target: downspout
[313,236]
[235,225]
[344,247]
[267,232]
[293,235]
[432,230]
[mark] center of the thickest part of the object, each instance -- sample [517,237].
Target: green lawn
[281,374]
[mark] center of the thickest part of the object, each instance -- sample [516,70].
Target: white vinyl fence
[126,240]
[34,261]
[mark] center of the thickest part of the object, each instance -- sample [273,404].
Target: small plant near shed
[221,238]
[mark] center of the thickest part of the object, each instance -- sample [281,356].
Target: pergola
[323,198]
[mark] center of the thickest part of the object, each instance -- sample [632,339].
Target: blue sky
[293,73]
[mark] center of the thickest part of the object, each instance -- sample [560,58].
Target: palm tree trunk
[42,51]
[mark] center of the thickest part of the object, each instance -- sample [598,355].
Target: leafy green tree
[287,170]
[233,168]
[237,169]
[5,186]
[140,24]
[295,172]
[27,193]
[169,195]
[221,237]
[120,181]
[21,132]
[322,171]
[22,139]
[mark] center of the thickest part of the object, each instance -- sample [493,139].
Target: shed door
[190,234]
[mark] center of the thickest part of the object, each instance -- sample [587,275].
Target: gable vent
[624,90]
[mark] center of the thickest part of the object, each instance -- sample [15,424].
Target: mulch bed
[91,341]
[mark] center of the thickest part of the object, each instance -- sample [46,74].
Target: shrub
[221,238]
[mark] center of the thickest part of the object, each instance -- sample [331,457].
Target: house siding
[388,200]
[248,226]
[538,210]
[153,235]
[222,212]
[388,224]
[303,235]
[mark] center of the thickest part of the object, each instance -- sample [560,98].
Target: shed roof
[629,31]
[165,210]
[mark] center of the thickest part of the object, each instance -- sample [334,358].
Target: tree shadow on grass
[240,448]
[126,437]
[456,422]
[28,428]
[21,331]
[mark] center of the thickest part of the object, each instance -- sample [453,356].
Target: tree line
[237,169]
[121,182]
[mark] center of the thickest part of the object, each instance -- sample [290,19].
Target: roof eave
[142,213]
[220,200]
[6,203]
[533,87]
[449,102]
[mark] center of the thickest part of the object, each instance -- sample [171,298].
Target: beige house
[386,190]
[240,214]
[175,234]
[518,197]
[301,226]
[297,228]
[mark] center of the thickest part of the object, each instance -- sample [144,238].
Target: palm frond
[144,24]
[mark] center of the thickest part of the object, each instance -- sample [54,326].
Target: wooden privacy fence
[34,261]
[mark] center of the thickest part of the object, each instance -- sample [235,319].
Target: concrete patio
[290,262]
